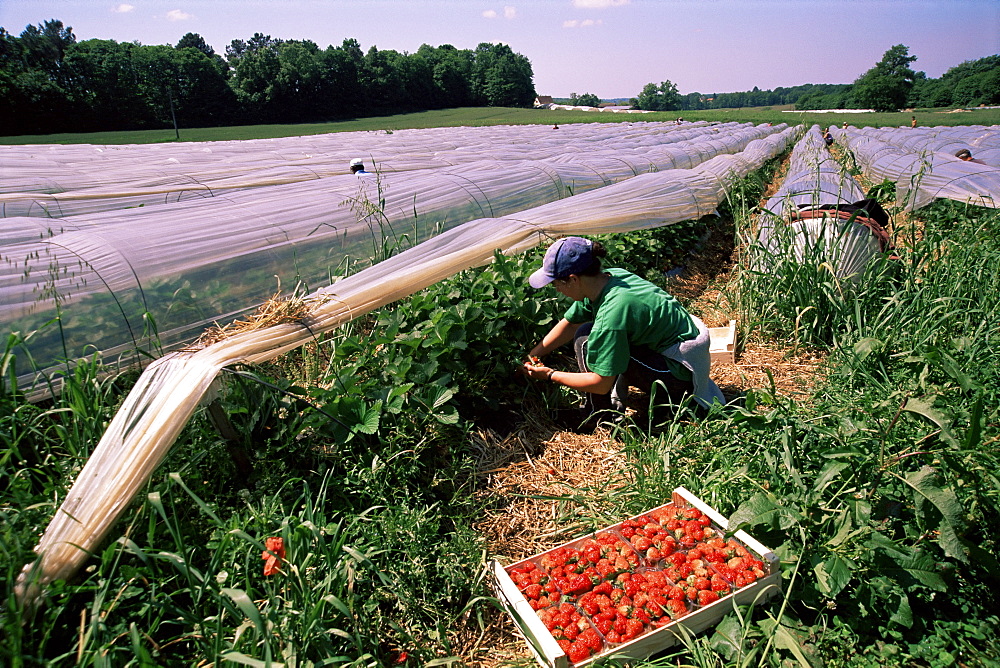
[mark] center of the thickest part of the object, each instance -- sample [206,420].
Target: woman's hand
[534,368]
[535,371]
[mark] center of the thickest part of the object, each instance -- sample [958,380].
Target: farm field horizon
[489,116]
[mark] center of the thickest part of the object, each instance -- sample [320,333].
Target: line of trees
[50,82]
[888,86]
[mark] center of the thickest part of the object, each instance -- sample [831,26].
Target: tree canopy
[662,97]
[585,100]
[53,83]
[886,87]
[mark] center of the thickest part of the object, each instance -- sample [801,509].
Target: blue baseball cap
[569,255]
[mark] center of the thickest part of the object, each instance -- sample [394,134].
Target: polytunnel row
[169,390]
[920,175]
[814,215]
[111,276]
[199,168]
[981,140]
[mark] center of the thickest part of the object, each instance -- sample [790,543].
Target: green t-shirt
[631,311]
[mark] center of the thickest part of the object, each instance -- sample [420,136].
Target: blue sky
[607,47]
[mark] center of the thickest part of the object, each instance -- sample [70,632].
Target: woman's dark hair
[598,251]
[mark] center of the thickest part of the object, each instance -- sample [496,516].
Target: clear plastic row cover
[92,179]
[983,142]
[814,181]
[135,268]
[168,392]
[927,169]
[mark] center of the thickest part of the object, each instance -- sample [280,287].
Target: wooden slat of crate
[723,343]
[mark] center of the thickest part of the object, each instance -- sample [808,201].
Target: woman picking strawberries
[625,331]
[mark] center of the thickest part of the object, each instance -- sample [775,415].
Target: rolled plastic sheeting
[183,265]
[814,181]
[921,174]
[168,391]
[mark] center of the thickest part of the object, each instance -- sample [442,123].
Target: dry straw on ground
[277,310]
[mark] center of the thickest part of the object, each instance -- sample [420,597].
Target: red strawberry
[706,597]
[577,584]
[590,638]
[533,591]
[620,624]
[603,588]
[578,652]
[634,627]
[676,608]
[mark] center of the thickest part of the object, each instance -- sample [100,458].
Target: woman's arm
[561,334]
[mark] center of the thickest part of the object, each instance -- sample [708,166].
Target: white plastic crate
[547,650]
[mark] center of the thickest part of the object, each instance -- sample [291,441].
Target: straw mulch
[277,310]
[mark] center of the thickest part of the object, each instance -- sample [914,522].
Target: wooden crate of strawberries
[627,590]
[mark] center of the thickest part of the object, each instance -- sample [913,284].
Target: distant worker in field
[358,166]
[845,125]
[827,137]
[966,155]
[625,331]
[913,121]
[555,126]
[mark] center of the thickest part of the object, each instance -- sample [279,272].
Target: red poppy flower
[273,555]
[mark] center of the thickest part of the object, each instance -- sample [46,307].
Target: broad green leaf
[371,418]
[727,636]
[901,612]
[924,484]
[443,396]
[915,562]
[844,532]
[827,475]
[924,406]
[954,369]
[868,345]
[833,575]
[761,508]
[786,638]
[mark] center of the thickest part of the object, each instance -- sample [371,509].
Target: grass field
[483,116]
[877,488]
